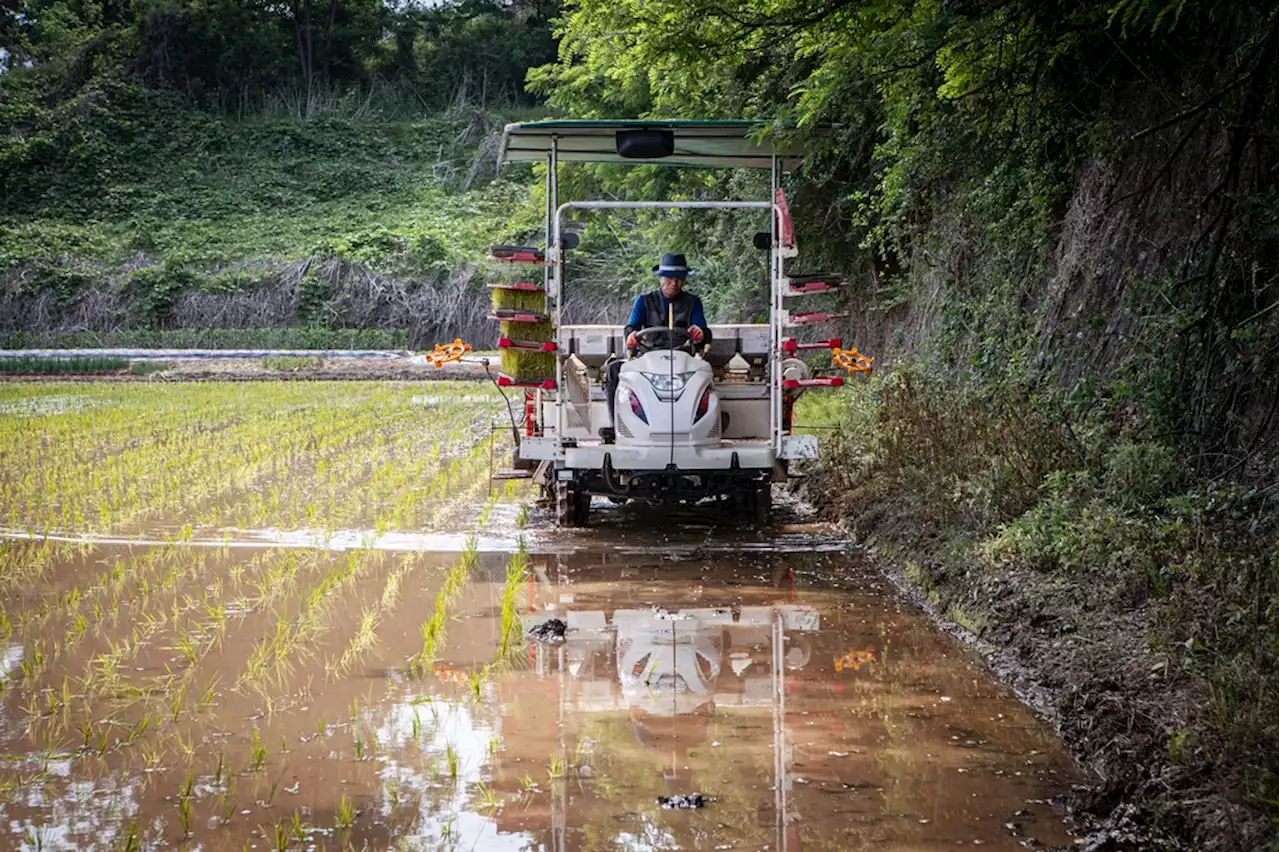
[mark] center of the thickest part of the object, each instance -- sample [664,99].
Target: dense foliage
[245,165]
[967,131]
[242,54]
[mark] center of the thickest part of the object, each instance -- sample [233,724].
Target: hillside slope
[134,210]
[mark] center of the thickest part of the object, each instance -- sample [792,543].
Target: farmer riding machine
[691,423]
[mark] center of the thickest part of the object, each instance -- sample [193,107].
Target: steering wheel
[660,337]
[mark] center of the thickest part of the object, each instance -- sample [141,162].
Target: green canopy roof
[697,143]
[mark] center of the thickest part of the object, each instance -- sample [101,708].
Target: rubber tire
[573,505]
[565,502]
[762,503]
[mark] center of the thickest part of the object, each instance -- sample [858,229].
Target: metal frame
[696,141]
[555,260]
[553,275]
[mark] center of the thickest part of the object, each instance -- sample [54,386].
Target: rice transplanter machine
[689,424]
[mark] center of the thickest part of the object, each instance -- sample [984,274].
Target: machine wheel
[565,503]
[753,503]
[573,505]
[762,503]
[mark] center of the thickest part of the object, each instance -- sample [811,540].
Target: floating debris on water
[691,802]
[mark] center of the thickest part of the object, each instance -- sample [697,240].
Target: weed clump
[292,363]
[147,368]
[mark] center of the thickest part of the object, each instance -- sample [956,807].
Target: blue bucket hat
[673,266]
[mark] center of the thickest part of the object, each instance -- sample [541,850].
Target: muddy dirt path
[784,694]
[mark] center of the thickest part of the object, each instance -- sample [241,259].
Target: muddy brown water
[772,674]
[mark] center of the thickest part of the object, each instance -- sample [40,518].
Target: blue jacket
[650,310]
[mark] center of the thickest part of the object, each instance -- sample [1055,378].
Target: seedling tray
[514,315]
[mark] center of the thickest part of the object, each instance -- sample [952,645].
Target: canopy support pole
[775,315]
[555,256]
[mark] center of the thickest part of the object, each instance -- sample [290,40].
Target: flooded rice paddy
[297,618]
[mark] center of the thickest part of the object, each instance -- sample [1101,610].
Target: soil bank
[1086,668]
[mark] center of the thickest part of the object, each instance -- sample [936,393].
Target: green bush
[1138,473]
[156,288]
[1114,525]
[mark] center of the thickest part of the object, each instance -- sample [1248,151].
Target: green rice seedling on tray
[517,363]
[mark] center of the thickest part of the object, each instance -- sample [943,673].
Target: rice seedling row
[180,462]
[143,660]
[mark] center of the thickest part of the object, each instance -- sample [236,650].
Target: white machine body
[667,398]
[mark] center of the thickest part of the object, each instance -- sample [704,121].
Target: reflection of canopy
[734,144]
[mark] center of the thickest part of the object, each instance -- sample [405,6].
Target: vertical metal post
[532,413]
[489,492]
[547,212]
[775,310]
[555,291]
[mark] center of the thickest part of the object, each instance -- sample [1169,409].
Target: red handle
[525,286]
[527,345]
[508,382]
[822,382]
[790,344]
[805,319]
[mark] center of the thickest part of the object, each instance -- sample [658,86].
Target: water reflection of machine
[672,672]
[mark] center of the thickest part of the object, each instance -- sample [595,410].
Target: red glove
[633,342]
[695,334]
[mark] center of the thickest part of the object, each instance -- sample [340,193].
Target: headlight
[668,385]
